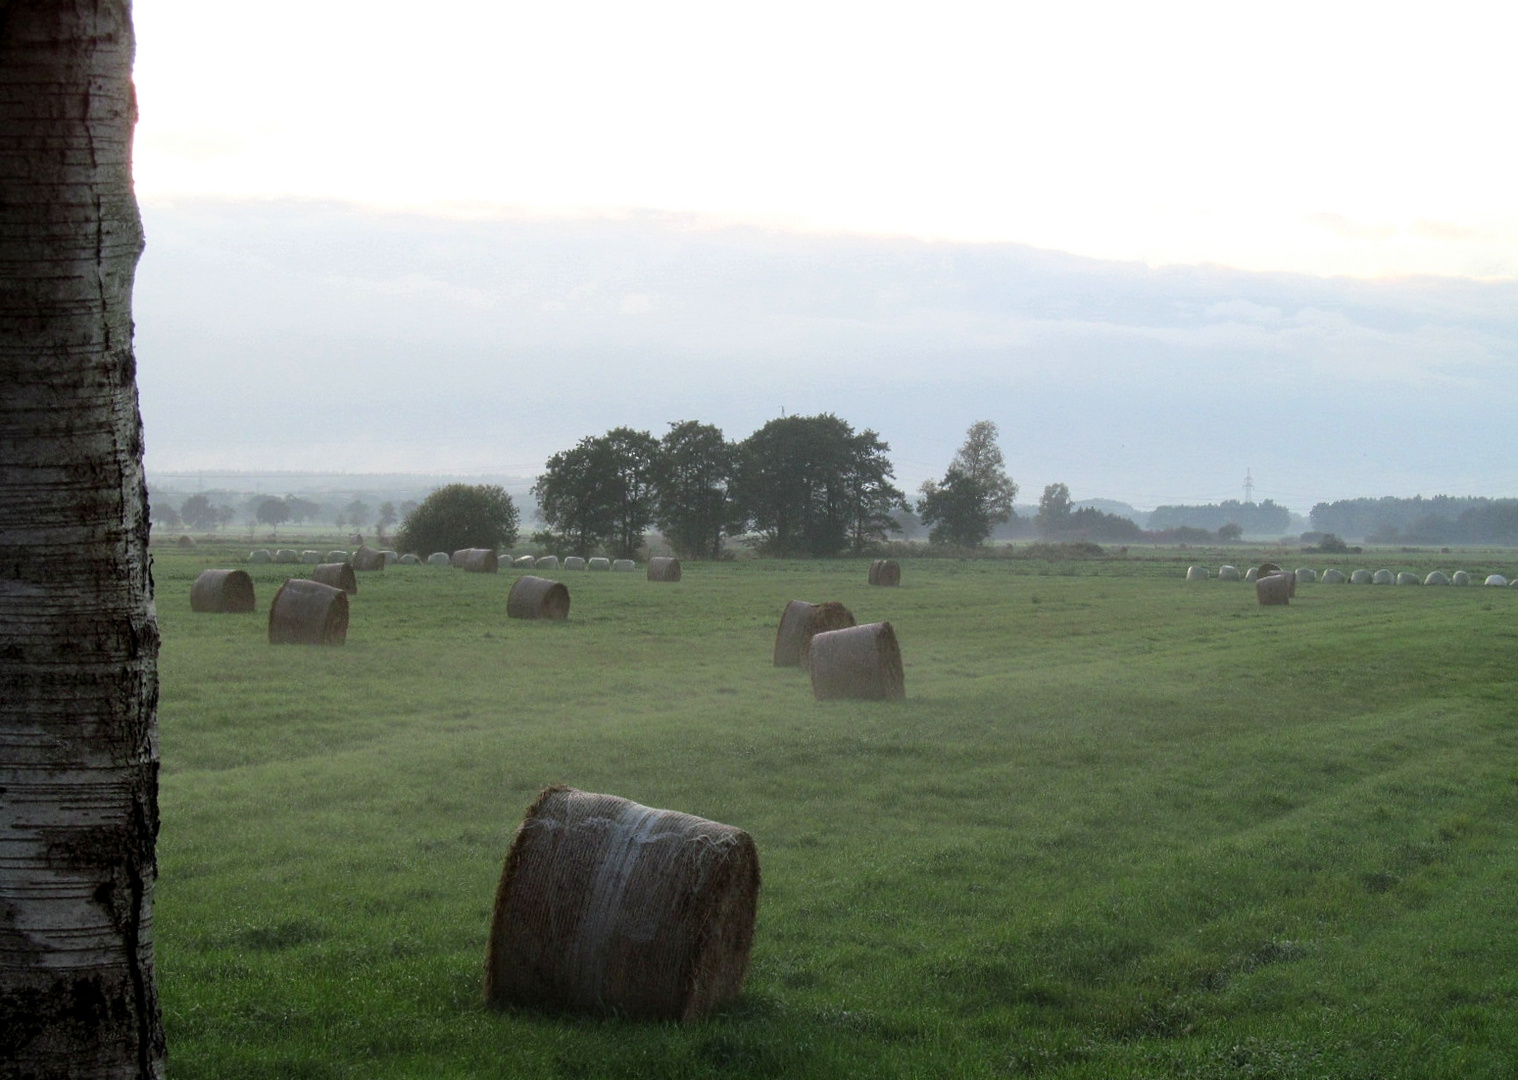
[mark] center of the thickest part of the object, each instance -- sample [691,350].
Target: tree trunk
[78,639]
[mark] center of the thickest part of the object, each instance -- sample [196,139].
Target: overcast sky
[665,185]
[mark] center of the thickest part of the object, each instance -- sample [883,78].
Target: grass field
[1123,825]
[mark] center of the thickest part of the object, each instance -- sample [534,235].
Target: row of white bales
[1357,577]
[439,558]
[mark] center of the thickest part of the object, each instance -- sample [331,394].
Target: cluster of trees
[1443,519]
[1059,519]
[806,485]
[1258,519]
[459,516]
[205,513]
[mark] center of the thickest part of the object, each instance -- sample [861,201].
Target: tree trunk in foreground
[78,639]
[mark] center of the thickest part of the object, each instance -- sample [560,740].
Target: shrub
[461,516]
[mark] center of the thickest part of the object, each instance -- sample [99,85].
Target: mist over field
[317,337]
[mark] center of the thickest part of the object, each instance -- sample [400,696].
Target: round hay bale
[337,556]
[411,560]
[800,622]
[1383,577]
[609,907]
[524,563]
[1513,583]
[599,563]
[624,564]
[1436,577]
[537,598]
[885,572]
[311,558]
[439,558]
[1252,574]
[222,591]
[1196,573]
[390,556]
[262,555]
[574,562]
[1228,573]
[186,541]
[477,560]
[1274,589]
[1360,577]
[339,575]
[1334,577]
[1268,568]
[1460,577]
[857,662]
[367,560]
[547,562]
[308,613]
[286,555]
[1496,579]
[1305,576]
[1408,578]
[663,568]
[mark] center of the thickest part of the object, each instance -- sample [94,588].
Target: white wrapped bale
[1252,574]
[336,556]
[1360,577]
[574,562]
[1383,577]
[599,563]
[440,558]
[1228,573]
[1196,573]
[1408,578]
[391,556]
[410,560]
[524,562]
[1497,580]
[262,555]
[547,562]
[286,555]
[1334,577]
[311,558]
[1436,577]
[1460,578]
[1306,576]
[624,564]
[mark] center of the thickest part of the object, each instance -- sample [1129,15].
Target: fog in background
[306,336]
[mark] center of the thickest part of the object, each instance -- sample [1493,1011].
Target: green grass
[1123,825]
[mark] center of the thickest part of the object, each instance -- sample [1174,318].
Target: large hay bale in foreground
[574,562]
[885,572]
[339,575]
[547,562]
[800,622]
[1436,577]
[367,560]
[1496,579]
[609,907]
[857,662]
[222,591]
[1196,573]
[1383,577]
[663,568]
[1228,573]
[308,613]
[600,562]
[622,565]
[262,555]
[1273,589]
[439,558]
[1407,577]
[1334,577]
[537,598]
[1460,577]
[1360,577]
[525,562]
[477,560]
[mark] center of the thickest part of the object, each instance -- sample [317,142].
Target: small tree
[1231,533]
[273,512]
[198,513]
[975,494]
[386,518]
[357,512]
[460,516]
[1054,507]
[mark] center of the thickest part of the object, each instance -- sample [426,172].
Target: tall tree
[79,681]
[601,491]
[695,474]
[634,459]
[1054,507]
[975,494]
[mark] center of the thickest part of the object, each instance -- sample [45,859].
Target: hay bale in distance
[885,572]
[624,564]
[308,613]
[1268,568]
[609,907]
[800,622]
[222,591]
[1383,577]
[599,563]
[367,560]
[526,562]
[1408,578]
[1436,577]
[1334,577]
[1460,577]
[439,558]
[311,558]
[574,562]
[547,562]
[1497,580]
[857,662]
[186,541]
[477,560]
[390,556]
[337,556]
[1305,576]
[411,560]
[537,598]
[1274,589]
[339,575]
[262,555]
[1196,573]
[1228,573]
[1252,574]
[663,568]
[286,555]
[1360,577]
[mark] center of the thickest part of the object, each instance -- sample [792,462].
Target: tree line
[1443,519]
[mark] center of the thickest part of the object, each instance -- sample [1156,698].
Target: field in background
[1122,825]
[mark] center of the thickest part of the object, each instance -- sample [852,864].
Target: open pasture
[1122,825]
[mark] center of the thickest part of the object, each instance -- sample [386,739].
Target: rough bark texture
[78,640]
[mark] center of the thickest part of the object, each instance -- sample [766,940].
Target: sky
[1336,181]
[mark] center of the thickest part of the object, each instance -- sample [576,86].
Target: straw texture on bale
[1305,576]
[1196,573]
[857,662]
[1436,577]
[308,613]
[366,560]
[339,575]
[311,558]
[1460,578]
[574,562]
[663,568]
[411,560]
[537,598]
[1274,589]
[624,564]
[547,562]
[262,555]
[1334,577]
[222,591]
[439,558]
[600,562]
[1496,579]
[885,572]
[337,556]
[525,562]
[800,622]
[1407,577]
[477,560]
[1383,577]
[608,907]
[1252,574]
[1360,577]
[1228,573]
